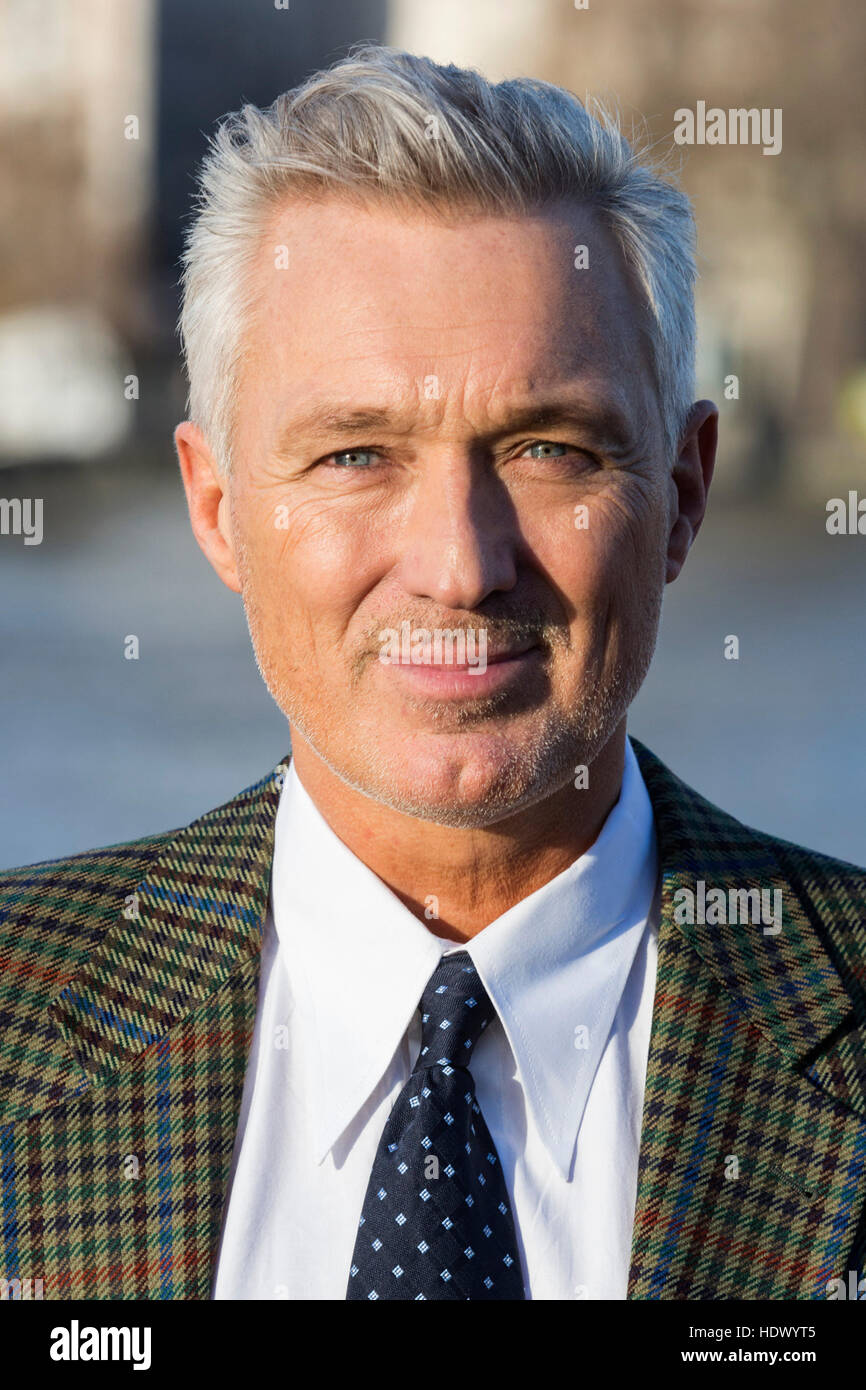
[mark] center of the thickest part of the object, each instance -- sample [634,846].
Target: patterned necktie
[436,1221]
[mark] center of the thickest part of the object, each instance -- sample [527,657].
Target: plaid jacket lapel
[118,1173]
[752,1180]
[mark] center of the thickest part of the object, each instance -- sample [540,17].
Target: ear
[691,478]
[208,501]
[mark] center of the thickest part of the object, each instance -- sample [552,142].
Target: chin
[469,789]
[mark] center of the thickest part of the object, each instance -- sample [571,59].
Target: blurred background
[104,110]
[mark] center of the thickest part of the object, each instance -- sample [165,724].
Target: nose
[461,538]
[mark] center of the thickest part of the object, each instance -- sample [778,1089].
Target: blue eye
[355,458]
[546,446]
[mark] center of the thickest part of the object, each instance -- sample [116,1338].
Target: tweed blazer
[128,988]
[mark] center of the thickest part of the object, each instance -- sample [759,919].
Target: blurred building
[782,239]
[76,179]
[104,111]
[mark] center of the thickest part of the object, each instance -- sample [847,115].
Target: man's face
[451,427]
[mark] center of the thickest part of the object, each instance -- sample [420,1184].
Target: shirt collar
[364,958]
[554,965]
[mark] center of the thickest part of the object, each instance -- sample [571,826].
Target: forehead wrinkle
[549,408]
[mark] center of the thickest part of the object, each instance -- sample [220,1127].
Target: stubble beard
[564,743]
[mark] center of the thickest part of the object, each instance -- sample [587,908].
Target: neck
[457,881]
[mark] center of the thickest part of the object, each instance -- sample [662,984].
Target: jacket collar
[752,1173]
[177,937]
[782,979]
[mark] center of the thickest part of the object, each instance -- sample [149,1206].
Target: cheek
[603,556]
[311,565]
[583,551]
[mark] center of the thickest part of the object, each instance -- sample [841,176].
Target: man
[471,997]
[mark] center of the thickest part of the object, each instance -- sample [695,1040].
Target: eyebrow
[602,420]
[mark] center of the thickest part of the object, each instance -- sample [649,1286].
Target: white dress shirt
[559,1073]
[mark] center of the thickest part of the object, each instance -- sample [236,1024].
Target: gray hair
[363,127]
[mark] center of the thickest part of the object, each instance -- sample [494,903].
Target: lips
[508,653]
[443,683]
[492,658]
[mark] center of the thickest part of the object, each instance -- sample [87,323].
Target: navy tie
[436,1222]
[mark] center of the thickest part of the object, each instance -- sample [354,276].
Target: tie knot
[455,1010]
